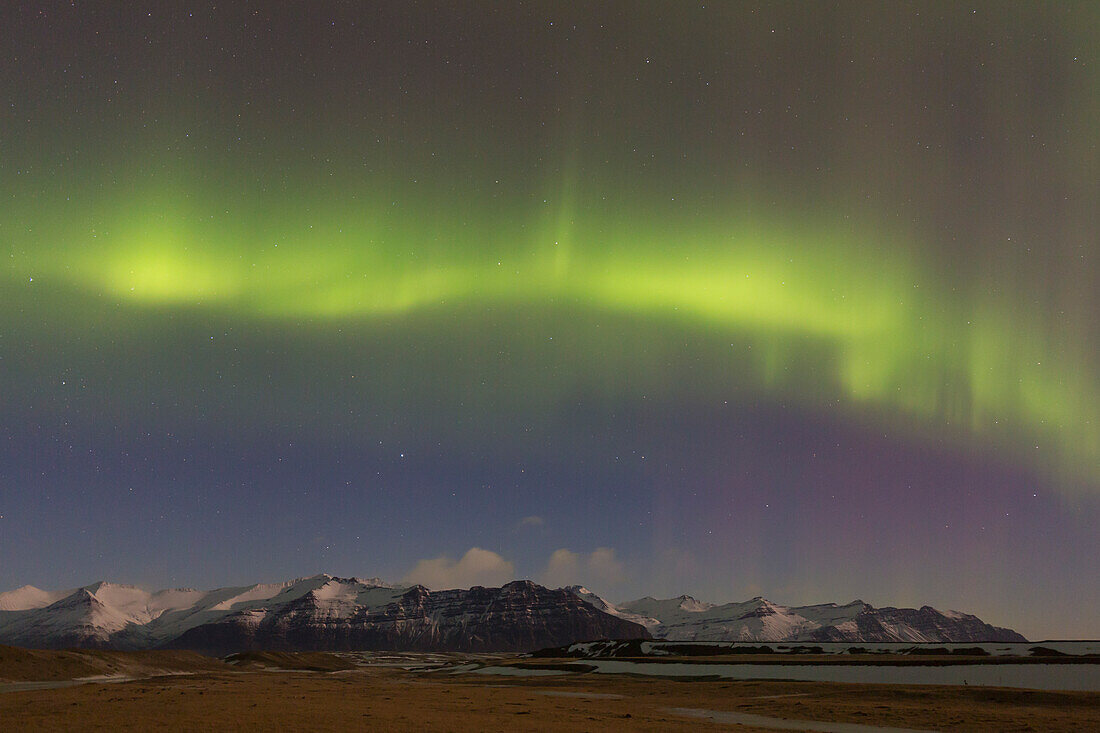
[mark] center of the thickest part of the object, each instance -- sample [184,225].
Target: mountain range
[324,612]
[760,620]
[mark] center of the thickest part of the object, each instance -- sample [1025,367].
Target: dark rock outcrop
[520,616]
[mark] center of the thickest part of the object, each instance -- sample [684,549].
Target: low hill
[19,665]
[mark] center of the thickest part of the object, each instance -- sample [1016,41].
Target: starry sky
[786,299]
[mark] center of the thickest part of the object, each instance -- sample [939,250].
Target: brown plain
[266,693]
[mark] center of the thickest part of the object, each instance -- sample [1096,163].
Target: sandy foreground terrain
[183,691]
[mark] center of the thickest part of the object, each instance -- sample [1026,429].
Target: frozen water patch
[1082,677]
[58,684]
[514,671]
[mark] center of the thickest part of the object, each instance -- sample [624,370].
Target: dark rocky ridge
[520,616]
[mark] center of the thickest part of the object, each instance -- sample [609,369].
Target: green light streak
[898,351]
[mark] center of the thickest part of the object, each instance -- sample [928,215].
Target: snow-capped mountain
[124,616]
[649,622]
[329,613]
[686,619]
[320,612]
[30,597]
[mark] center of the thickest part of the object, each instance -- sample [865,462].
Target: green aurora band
[882,337]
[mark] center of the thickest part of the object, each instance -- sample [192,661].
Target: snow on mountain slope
[79,619]
[650,606]
[126,616]
[687,619]
[831,614]
[225,599]
[591,598]
[354,594]
[141,606]
[28,597]
[337,596]
[341,598]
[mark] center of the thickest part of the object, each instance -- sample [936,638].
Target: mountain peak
[372,582]
[79,598]
[692,605]
[28,597]
[322,579]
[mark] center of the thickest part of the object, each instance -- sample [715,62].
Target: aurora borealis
[792,299]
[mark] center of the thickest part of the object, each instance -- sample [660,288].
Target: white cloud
[477,567]
[531,521]
[563,569]
[600,569]
[605,567]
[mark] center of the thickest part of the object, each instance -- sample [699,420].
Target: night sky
[798,300]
